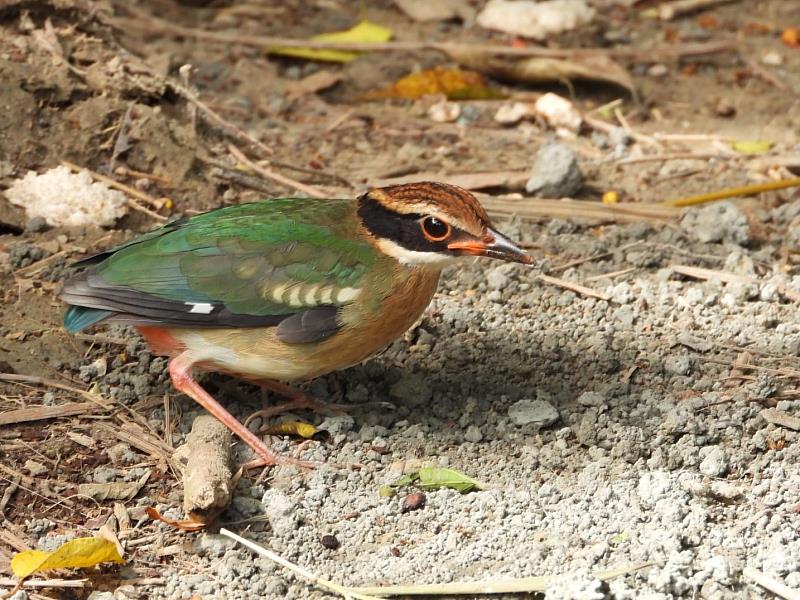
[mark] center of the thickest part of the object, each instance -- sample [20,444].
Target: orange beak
[494,245]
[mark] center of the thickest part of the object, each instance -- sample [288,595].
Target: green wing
[247,265]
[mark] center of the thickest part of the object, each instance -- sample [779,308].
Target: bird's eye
[435,229]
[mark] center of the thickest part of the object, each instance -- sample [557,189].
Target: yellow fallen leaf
[455,84]
[304,430]
[364,32]
[752,146]
[75,554]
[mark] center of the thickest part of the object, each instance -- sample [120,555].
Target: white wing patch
[200,308]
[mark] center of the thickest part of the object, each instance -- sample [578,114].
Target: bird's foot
[298,400]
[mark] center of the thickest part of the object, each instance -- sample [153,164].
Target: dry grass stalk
[728,277]
[577,288]
[272,175]
[770,583]
[781,418]
[540,208]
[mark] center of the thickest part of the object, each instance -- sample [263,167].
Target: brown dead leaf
[591,67]
[316,82]
[184,525]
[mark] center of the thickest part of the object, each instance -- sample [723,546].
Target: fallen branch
[207,475]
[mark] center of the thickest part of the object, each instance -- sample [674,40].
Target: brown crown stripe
[448,198]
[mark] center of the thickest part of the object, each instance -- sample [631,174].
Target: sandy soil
[654,420]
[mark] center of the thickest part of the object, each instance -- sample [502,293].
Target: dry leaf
[191,524]
[75,554]
[751,147]
[455,84]
[437,10]
[591,67]
[321,80]
[116,490]
[304,430]
[365,32]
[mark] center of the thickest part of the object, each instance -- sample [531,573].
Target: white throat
[413,257]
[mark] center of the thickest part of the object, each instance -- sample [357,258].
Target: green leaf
[435,478]
[386,491]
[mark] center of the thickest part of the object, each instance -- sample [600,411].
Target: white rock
[536,20]
[558,112]
[511,114]
[444,112]
[64,198]
[772,58]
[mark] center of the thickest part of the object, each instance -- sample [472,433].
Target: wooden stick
[123,188]
[90,396]
[577,288]
[578,209]
[277,177]
[770,583]
[746,190]
[781,418]
[37,413]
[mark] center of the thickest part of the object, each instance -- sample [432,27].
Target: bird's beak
[494,245]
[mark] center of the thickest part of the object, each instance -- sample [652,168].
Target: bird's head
[432,224]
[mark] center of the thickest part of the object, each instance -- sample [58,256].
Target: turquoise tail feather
[81,317]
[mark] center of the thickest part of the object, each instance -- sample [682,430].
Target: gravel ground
[610,433]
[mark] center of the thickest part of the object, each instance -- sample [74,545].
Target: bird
[285,290]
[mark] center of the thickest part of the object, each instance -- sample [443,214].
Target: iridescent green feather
[239,255]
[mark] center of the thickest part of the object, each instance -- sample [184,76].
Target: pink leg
[180,369]
[298,400]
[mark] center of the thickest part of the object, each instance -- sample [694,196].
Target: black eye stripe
[404,230]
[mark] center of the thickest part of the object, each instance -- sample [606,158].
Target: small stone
[772,58]
[718,222]
[595,399]
[511,114]
[622,293]
[555,173]
[678,364]
[414,501]
[331,542]
[658,70]
[103,474]
[473,434]
[444,112]
[281,512]
[533,412]
[337,424]
[100,596]
[715,463]
[36,225]
[213,545]
[35,468]
[559,113]
[723,107]
[496,279]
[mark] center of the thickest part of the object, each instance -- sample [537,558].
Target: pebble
[213,545]
[678,364]
[555,173]
[496,279]
[35,468]
[717,222]
[715,463]
[414,501]
[658,70]
[444,112]
[533,412]
[330,542]
[36,225]
[281,512]
[473,434]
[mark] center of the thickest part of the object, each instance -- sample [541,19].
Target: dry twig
[770,583]
[575,287]
[272,175]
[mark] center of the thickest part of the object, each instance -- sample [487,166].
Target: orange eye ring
[434,229]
